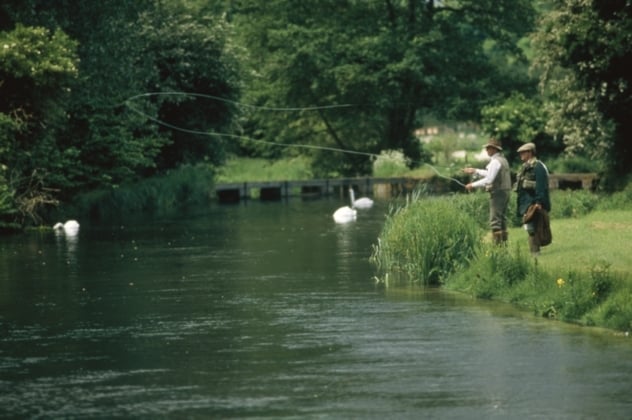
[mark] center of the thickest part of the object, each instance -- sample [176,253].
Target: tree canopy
[393,62]
[37,67]
[97,94]
[65,75]
[584,47]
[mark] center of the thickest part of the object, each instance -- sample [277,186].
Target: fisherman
[534,203]
[496,179]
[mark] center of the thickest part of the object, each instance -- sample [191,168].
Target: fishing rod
[129,103]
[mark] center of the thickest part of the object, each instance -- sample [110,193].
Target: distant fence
[377,187]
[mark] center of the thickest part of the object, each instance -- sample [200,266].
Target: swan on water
[345,214]
[360,203]
[71,227]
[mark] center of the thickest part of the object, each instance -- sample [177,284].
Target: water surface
[270,310]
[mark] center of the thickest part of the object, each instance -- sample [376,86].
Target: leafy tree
[518,120]
[126,50]
[105,143]
[393,61]
[191,53]
[584,47]
[36,68]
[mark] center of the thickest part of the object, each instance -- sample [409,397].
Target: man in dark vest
[532,186]
[496,179]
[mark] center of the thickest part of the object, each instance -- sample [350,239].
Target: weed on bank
[575,283]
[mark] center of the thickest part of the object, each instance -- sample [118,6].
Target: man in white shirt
[496,179]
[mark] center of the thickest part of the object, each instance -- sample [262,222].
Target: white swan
[71,227]
[360,203]
[345,215]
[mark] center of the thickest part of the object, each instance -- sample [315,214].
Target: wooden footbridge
[314,188]
[370,186]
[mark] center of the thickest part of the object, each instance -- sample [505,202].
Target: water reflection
[269,311]
[67,244]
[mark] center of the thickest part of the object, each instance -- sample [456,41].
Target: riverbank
[583,277]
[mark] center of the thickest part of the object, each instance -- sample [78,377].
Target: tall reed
[426,239]
[185,187]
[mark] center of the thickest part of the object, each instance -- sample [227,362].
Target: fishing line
[128,103]
[241,104]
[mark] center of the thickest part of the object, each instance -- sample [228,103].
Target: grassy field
[600,237]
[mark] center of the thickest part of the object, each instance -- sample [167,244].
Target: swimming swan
[345,215]
[360,203]
[71,227]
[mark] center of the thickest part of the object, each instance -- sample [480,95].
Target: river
[270,310]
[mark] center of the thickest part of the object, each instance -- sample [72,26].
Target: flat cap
[527,147]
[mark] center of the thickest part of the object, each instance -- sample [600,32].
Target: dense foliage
[66,72]
[94,95]
[583,50]
[392,62]
[36,70]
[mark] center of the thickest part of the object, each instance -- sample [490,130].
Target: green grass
[425,240]
[250,169]
[584,276]
[579,243]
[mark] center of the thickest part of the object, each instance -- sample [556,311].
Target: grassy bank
[584,277]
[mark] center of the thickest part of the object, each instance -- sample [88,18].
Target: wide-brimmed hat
[527,147]
[494,143]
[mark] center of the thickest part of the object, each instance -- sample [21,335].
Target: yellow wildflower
[560,282]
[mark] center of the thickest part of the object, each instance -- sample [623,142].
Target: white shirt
[489,173]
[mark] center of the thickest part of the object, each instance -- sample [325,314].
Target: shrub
[426,239]
[572,203]
[573,164]
[620,200]
[615,312]
[184,187]
[493,272]
[390,163]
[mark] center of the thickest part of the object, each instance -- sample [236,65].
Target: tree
[517,120]
[191,54]
[584,47]
[126,50]
[392,61]
[36,69]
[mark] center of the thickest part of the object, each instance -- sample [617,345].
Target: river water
[270,310]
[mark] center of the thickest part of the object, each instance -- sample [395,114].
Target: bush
[621,200]
[572,203]
[493,272]
[573,164]
[426,239]
[390,163]
[184,187]
[615,312]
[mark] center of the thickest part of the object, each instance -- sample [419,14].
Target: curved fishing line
[240,104]
[440,175]
[241,137]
